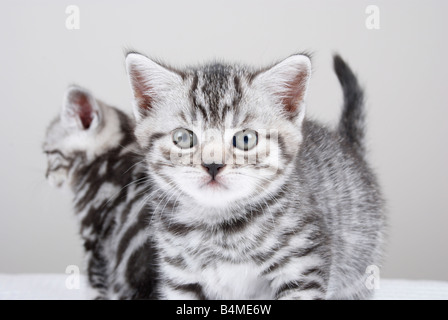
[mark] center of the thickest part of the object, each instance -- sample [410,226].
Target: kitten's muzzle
[213,168]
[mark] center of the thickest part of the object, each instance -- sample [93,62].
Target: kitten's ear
[150,82]
[80,109]
[288,80]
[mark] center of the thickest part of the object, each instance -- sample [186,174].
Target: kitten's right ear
[288,81]
[150,82]
[80,109]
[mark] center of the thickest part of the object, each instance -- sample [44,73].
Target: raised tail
[352,123]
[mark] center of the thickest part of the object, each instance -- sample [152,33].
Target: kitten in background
[91,150]
[302,221]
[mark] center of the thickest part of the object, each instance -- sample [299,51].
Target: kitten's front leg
[96,274]
[170,290]
[178,281]
[301,276]
[302,288]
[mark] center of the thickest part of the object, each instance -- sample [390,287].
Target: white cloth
[56,287]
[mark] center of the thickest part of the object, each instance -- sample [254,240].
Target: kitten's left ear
[80,109]
[288,81]
[150,82]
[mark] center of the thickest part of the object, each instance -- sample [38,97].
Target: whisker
[134,165]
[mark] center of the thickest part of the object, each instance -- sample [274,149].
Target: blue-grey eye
[245,139]
[184,138]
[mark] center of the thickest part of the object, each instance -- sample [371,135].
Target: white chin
[221,193]
[215,200]
[214,196]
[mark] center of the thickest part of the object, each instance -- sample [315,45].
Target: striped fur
[99,163]
[302,222]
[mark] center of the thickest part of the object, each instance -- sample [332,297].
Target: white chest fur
[235,281]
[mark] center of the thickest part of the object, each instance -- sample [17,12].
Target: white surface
[39,287]
[53,287]
[412,290]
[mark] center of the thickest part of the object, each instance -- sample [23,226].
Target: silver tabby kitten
[255,201]
[91,150]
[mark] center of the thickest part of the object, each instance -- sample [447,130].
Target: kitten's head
[221,135]
[84,129]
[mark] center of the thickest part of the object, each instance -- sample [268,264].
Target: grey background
[403,67]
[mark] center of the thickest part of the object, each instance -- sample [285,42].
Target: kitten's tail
[352,122]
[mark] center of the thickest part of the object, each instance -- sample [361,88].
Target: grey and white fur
[302,222]
[91,150]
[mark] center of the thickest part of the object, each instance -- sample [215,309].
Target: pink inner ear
[295,92]
[85,111]
[141,90]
